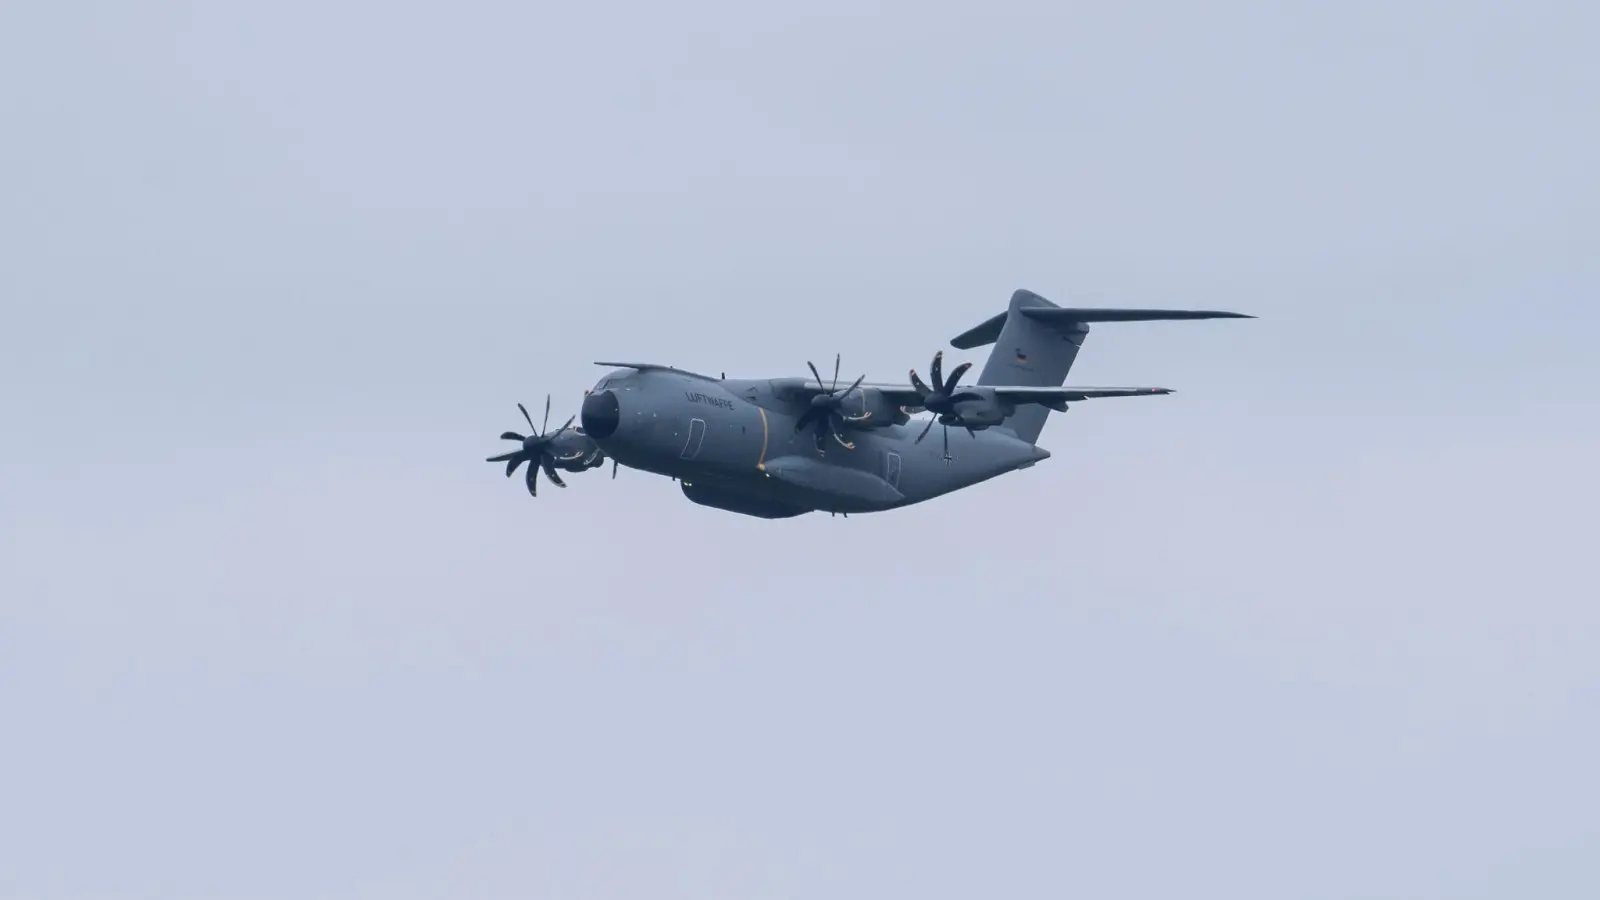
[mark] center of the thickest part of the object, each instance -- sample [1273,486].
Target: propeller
[942,398]
[539,451]
[826,415]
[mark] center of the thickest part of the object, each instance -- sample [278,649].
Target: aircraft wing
[1053,397]
[1057,398]
[1046,396]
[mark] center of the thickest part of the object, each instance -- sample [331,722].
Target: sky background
[1322,624]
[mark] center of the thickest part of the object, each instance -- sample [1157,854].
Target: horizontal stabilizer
[989,331]
[1075,316]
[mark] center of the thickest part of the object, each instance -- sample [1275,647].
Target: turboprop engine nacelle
[980,414]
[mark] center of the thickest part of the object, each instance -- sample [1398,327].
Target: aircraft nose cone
[600,415]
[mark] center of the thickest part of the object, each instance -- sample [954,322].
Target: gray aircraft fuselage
[731,441]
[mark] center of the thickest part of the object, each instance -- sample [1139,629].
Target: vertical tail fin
[1036,342]
[1027,353]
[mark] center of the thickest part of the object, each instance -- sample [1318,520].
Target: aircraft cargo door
[891,469]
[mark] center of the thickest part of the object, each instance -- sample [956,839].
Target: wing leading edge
[905,395]
[1053,397]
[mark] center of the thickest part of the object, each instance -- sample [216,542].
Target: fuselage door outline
[697,434]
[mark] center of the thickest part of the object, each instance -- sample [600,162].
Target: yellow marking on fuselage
[761,462]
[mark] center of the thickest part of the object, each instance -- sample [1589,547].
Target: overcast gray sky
[1322,624]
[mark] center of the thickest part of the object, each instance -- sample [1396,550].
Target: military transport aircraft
[780,447]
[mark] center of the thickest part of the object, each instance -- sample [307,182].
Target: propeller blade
[820,432]
[947,442]
[528,417]
[546,415]
[532,480]
[842,442]
[925,429]
[821,385]
[613,468]
[550,473]
[563,428]
[511,436]
[955,376]
[806,418]
[836,358]
[921,388]
[511,465]
[937,369]
[505,456]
